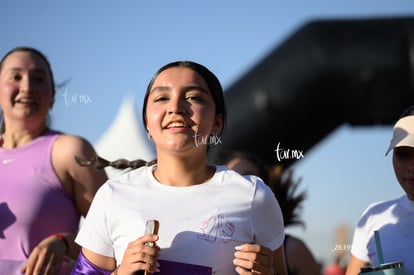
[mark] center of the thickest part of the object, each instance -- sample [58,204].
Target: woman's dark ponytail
[100,163]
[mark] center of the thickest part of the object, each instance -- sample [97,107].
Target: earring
[149,135]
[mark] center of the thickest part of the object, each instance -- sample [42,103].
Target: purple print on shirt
[216,229]
[7,218]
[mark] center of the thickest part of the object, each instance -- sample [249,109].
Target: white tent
[125,138]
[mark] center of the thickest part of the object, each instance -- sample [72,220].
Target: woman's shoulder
[230,176]
[377,209]
[235,176]
[69,138]
[130,176]
[67,147]
[381,205]
[73,144]
[294,243]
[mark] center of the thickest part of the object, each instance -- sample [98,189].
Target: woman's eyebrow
[159,89]
[18,69]
[197,87]
[187,88]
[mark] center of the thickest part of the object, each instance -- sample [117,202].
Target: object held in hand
[152,227]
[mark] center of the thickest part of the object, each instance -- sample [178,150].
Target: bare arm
[300,259]
[354,266]
[82,182]
[279,261]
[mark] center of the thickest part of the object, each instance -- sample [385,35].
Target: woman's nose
[177,106]
[26,84]
[409,163]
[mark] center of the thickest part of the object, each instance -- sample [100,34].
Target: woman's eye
[194,98]
[15,77]
[39,79]
[403,154]
[161,98]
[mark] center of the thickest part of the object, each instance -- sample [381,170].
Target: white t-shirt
[394,221]
[199,224]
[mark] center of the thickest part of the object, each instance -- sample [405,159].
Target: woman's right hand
[46,257]
[140,256]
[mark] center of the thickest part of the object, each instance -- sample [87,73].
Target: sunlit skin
[26,94]
[180,106]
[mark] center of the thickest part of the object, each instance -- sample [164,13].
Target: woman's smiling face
[180,109]
[26,87]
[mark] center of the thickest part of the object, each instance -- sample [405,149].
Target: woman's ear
[218,126]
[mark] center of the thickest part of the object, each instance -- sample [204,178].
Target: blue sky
[106,51]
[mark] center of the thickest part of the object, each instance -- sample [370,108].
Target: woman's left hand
[253,259]
[46,258]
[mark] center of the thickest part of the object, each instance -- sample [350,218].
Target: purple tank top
[33,204]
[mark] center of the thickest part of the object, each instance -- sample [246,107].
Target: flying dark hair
[285,189]
[100,163]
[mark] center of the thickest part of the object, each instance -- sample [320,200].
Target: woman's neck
[15,137]
[178,171]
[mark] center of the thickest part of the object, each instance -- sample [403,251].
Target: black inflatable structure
[328,73]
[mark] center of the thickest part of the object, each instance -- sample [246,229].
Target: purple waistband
[85,267]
